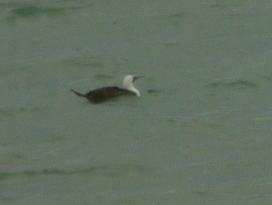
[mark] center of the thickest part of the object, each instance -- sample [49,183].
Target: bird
[99,95]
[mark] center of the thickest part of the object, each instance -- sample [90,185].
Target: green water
[200,133]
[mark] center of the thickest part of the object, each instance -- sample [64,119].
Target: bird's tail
[77,93]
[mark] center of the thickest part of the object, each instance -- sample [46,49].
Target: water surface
[199,134]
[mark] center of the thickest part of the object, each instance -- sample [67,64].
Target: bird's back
[106,93]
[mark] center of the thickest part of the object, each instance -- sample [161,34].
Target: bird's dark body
[103,94]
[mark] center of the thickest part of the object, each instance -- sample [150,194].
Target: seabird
[105,93]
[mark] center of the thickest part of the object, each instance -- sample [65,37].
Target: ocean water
[200,133]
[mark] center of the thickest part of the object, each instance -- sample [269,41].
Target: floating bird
[105,93]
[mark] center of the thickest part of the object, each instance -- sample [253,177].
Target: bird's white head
[128,84]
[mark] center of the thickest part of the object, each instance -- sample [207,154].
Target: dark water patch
[30,11]
[47,172]
[29,109]
[234,84]
[107,171]
[178,15]
[4,5]
[243,83]
[6,175]
[66,172]
[33,11]
[215,84]
[16,156]
[32,173]
[29,173]
[7,112]
[174,19]
[153,91]
[200,193]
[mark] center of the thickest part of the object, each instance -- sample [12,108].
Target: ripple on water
[11,111]
[33,11]
[234,84]
[111,171]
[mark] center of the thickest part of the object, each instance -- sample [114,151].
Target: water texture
[200,133]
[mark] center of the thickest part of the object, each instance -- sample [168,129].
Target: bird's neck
[132,88]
